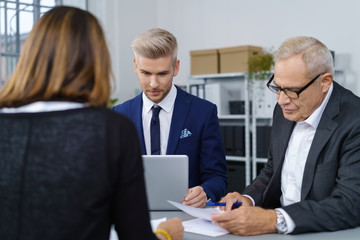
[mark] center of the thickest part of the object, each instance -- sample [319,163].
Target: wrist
[281,225]
[247,201]
[162,234]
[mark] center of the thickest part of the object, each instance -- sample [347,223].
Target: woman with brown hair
[69,167]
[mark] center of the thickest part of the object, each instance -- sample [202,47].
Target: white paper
[154,225]
[156,222]
[204,227]
[204,213]
[201,225]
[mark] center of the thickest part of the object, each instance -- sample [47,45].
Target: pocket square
[185,133]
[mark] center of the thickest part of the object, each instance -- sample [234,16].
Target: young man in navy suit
[311,180]
[188,125]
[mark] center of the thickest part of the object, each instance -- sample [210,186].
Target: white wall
[201,24]
[122,20]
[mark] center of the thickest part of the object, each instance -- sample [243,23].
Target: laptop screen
[166,178]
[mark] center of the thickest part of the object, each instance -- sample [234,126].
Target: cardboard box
[204,61]
[235,59]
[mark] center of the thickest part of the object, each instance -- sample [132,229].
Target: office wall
[201,24]
[122,20]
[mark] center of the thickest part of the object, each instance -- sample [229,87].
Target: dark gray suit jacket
[330,193]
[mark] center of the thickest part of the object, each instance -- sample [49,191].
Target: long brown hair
[65,58]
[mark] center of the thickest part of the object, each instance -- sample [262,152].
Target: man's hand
[247,221]
[195,197]
[234,197]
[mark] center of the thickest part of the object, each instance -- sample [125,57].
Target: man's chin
[155,99]
[290,116]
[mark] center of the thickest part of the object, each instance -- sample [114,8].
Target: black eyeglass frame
[277,90]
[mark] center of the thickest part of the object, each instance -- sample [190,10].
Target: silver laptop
[166,178]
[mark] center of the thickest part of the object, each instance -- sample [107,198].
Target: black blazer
[330,192]
[70,175]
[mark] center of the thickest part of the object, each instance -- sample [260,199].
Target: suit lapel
[281,144]
[136,111]
[181,108]
[273,192]
[323,133]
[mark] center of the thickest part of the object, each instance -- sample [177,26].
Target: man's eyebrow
[162,72]
[288,88]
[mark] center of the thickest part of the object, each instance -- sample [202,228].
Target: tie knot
[156,109]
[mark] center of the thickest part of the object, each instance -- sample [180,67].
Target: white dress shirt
[295,159]
[165,115]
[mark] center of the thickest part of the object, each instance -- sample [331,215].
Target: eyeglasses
[290,93]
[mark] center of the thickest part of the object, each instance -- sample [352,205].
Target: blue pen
[237,204]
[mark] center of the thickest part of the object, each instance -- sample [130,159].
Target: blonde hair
[315,54]
[65,58]
[155,43]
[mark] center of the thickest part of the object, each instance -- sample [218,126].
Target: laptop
[166,178]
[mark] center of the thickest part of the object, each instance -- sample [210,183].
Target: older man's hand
[247,221]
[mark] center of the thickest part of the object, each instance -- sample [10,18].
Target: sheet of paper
[154,224]
[203,227]
[204,213]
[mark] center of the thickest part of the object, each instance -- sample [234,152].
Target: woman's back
[70,175]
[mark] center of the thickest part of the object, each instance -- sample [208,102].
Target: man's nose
[283,99]
[154,81]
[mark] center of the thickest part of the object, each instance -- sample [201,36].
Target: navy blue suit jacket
[204,147]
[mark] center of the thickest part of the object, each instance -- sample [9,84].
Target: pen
[237,204]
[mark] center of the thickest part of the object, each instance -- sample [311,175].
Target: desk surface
[343,235]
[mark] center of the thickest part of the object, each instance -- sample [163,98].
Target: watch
[280,226]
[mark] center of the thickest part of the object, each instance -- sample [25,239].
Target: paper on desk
[201,225]
[204,213]
[154,224]
[204,227]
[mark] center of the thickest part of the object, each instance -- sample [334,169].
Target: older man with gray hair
[311,181]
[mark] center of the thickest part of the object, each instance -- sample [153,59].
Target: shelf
[219,75]
[232,117]
[220,89]
[235,158]
[261,160]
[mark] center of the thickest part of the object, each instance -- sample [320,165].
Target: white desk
[350,234]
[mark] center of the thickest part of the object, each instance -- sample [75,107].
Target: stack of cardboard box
[222,60]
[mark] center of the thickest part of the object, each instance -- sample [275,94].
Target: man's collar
[315,117]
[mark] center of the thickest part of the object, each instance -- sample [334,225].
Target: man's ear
[326,81]
[176,67]
[135,66]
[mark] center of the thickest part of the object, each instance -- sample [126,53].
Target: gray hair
[315,54]
[155,43]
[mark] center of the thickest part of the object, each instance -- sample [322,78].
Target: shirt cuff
[252,200]
[289,222]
